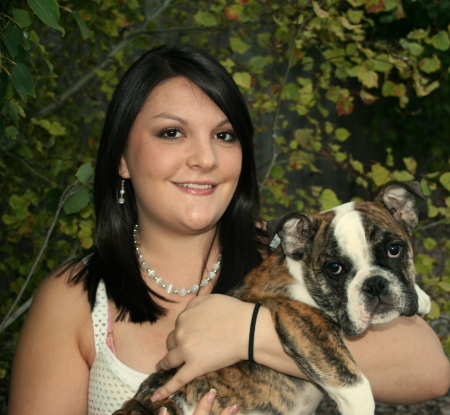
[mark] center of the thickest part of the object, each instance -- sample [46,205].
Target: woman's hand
[205,405]
[212,333]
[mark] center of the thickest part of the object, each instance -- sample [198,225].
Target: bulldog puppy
[335,273]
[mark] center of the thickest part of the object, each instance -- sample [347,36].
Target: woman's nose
[202,154]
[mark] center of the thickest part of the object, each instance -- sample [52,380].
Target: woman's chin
[200,225]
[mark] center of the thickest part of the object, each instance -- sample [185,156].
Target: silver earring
[122,192]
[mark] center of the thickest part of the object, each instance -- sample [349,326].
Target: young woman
[176,203]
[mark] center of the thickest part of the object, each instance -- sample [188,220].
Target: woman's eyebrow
[171,117]
[183,121]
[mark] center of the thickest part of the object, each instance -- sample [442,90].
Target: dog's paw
[424,301]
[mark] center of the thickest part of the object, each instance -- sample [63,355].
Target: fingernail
[156,397]
[162,411]
[158,367]
[211,395]
[233,410]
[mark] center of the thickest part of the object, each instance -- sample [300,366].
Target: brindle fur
[308,334]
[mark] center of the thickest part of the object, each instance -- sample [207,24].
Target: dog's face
[356,260]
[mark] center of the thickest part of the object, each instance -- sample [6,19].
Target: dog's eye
[394,250]
[335,268]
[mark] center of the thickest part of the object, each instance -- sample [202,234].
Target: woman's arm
[403,360]
[50,370]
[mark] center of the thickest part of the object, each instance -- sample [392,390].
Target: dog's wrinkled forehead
[348,231]
[352,223]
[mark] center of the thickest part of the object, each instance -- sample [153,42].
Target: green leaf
[414,48]
[277,172]
[328,200]
[12,37]
[85,172]
[238,46]
[341,134]
[47,11]
[22,81]
[13,109]
[77,201]
[54,128]
[429,243]
[374,6]
[22,17]
[410,163]
[366,97]
[389,88]
[402,176]
[323,14]
[435,311]
[379,174]
[355,16]
[234,11]
[205,18]
[430,65]
[257,63]
[357,165]
[441,40]
[243,79]
[85,32]
[291,91]
[18,202]
[432,210]
[423,264]
[445,180]
[418,34]
[368,78]
[444,286]
[11,132]
[381,63]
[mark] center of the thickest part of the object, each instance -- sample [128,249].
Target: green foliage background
[322,79]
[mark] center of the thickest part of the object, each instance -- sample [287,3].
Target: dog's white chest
[298,290]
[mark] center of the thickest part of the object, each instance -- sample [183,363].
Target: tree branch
[69,191]
[275,128]
[140,29]
[31,168]
[434,224]
[26,305]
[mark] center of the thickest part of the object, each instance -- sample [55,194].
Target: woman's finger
[171,360]
[182,377]
[171,341]
[206,403]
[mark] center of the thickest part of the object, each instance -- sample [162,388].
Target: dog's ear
[400,199]
[295,230]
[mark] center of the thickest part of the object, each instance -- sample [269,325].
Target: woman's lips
[200,189]
[195,185]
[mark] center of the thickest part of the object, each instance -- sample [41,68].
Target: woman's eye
[227,136]
[170,133]
[335,268]
[394,250]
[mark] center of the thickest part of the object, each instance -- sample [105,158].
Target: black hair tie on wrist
[251,340]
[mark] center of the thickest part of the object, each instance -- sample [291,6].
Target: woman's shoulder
[59,286]
[62,304]
[56,341]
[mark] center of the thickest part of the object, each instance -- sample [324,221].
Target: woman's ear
[123,168]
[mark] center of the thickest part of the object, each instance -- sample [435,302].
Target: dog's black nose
[375,286]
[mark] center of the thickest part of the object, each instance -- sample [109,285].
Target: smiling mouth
[195,186]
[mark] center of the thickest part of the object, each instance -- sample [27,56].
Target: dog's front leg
[314,341]
[424,301]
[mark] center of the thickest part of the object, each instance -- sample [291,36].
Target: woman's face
[183,159]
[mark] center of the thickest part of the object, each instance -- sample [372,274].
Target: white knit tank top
[110,381]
